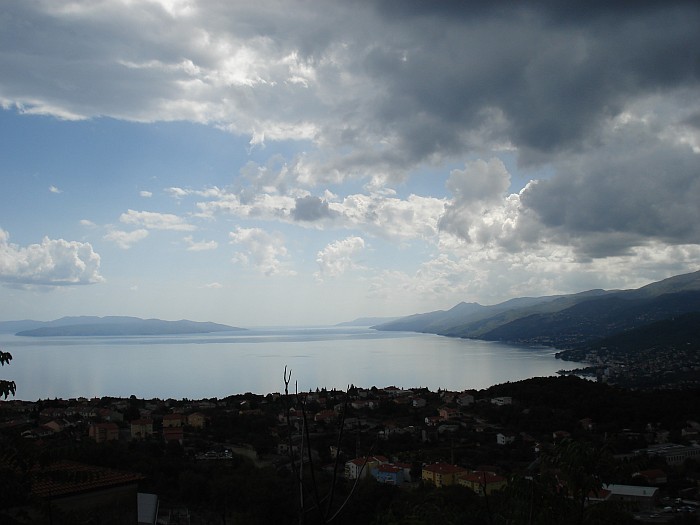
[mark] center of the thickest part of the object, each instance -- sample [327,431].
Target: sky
[306,162]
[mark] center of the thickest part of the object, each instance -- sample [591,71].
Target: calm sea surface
[217,365]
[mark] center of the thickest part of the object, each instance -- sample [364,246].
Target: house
[173,434]
[110,415]
[465,400]
[102,432]
[68,490]
[54,426]
[482,482]
[674,454]
[442,474]
[447,413]
[172,420]
[197,420]
[362,467]
[586,423]
[406,467]
[284,449]
[433,421]
[560,435]
[141,428]
[502,400]
[652,476]
[388,474]
[418,402]
[325,416]
[638,497]
[505,438]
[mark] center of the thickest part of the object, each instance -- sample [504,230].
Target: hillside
[563,321]
[680,333]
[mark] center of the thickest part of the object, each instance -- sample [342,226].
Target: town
[557,449]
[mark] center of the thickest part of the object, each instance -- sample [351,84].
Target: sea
[225,363]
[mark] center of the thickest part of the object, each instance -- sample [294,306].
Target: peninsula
[119,326]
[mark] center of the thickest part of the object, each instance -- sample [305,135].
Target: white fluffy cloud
[199,246]
[156,221]
[338,257]
[126,240]
[261,250]
[54,262]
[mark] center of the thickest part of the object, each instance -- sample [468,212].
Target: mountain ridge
[562,321]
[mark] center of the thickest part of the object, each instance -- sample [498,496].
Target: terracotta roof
[389,468]
[372,459]
[65,478]
[483,477]
[108,426]
[444,468]
[652,473]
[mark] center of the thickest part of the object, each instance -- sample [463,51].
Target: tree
[6,387]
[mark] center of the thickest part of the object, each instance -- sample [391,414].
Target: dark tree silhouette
[6,387]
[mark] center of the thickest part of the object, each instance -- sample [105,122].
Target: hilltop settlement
[544,450]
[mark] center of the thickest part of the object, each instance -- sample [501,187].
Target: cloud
[126,240]
[54,189]
[54,262]
[310,209]
[270,195]
[598,104]
[177,193]
[634,190]
[479,194]
[262,250]
[214,286]
[392,87]
[194,246]
[338,257]
[146,194]
[87,223]
[156,221]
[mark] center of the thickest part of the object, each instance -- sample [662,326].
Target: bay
[221,364]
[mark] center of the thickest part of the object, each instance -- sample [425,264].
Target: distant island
[368,321]
[111,326]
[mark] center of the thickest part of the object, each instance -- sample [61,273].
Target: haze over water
[218,365]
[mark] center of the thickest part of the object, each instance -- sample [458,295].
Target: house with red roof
[362,467]
[141,428]
[442,474]
[482,482]
[173,434]
[75,491]
[172,420]
[197,420]
[102,432]
[388,474]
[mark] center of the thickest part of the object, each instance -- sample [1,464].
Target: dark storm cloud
[552,73]
[632,193]
[311,208]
